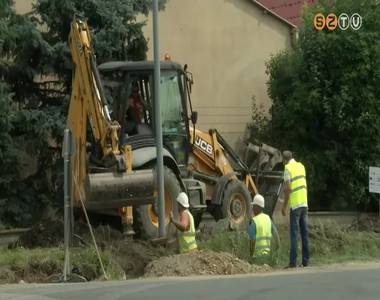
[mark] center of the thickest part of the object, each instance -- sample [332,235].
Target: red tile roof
[288,10]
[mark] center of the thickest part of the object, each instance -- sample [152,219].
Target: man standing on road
[185,225]
[260,232]
[295,192]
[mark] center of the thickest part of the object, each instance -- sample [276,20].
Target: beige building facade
[23,6]
[226,44]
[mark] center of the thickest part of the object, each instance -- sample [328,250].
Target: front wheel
[236,205]
[145,217]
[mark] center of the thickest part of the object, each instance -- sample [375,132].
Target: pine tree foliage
[35,84]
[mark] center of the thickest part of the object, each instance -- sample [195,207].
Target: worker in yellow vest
[295,192]
[185,225]
[260,231]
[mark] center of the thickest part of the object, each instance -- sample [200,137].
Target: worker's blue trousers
[298,217]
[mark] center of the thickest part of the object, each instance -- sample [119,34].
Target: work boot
[290,267]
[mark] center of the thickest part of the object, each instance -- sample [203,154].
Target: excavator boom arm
[88,94]
[88,104]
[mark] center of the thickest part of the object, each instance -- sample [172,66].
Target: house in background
[23,6]
[226,44]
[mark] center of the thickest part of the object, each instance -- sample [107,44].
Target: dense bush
[326,94]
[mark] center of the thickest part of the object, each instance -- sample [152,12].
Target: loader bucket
[114,190]
[265,166]
[270,186]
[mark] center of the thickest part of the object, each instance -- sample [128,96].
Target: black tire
[236,205]
[145,217]
[197,215]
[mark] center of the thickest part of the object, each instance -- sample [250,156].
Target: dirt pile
[7,275]
[131,256]
[134,256]
[45,234]
[326,239]
[31,271]
[366,223]
[328,232]
[50,233]
[201,263]
[46,271]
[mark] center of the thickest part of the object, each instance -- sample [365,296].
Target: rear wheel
[236,205]
[145,217]
[197,215]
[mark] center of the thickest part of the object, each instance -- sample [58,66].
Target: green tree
[35,74]
[24,121]
[117,35]
[325,94]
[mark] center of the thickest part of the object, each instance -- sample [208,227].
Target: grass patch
[328,244]
[38,265]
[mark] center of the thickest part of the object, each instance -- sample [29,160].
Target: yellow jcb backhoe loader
[111,116]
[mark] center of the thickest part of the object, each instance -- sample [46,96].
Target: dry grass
[328,244]
[39,265]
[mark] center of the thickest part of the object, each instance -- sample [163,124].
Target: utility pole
[158,126]
[66,153]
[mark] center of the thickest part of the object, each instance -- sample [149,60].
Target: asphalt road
[347,283]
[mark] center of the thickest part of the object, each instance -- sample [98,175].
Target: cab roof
[137,66]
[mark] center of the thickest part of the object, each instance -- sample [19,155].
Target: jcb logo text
[203,145]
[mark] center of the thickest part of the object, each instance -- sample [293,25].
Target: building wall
[23,6]
[226,44]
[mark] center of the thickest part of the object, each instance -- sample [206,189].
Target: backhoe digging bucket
[114,190]
[264,163]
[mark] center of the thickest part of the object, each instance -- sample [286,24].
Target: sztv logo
[332,21]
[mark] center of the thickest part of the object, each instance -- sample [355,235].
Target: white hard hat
[183,200]
[259,201]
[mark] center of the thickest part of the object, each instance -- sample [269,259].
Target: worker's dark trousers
[298,217]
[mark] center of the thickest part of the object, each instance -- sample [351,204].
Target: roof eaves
[274,14]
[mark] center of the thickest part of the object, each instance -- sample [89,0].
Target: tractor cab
[129,89]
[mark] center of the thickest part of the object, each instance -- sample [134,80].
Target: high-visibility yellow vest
[263,234]
[298,193]
[186,239]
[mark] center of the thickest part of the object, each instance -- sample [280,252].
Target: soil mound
[366,223]
[50,233]
[201,263]
[134,256]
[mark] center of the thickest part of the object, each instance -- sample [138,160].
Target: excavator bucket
[265,166]
[263,163]
[114,190]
